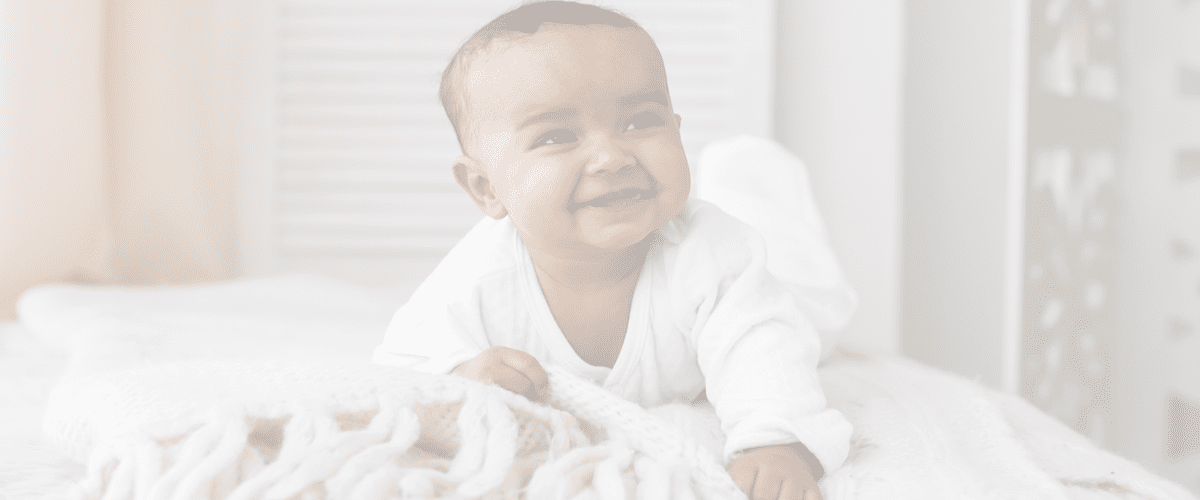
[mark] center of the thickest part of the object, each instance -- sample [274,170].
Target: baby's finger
[515,358]
[767,485]
[509,378]
[793,490]
[743,477]
[528,366]
[789,490]
[541,382]
[798,491]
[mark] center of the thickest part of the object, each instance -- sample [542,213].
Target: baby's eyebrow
[655,96]
[556,114]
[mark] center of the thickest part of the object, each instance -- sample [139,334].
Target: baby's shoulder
[489,249]
[704,237]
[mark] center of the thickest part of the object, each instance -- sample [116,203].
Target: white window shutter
[346,167]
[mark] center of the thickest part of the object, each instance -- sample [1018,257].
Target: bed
[262,388]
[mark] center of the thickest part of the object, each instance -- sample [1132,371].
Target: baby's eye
[644,120]
[560,136]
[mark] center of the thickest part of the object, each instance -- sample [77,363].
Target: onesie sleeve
[422,336]
[757,351]
[432,332]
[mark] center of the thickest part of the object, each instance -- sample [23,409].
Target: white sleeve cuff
[440,365]
[826,435]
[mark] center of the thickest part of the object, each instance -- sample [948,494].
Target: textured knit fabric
[262,389]
[229,391]
[706,314]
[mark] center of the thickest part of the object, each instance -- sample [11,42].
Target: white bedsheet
[29,466]
[920,433]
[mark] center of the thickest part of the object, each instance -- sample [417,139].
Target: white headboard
[346,166]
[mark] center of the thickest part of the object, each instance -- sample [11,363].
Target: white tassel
[507,447]
[324,463]
[101,462]
[653,479]
[199,482]
[194,447]
[405,431]
[607,478]
[307,471]
[681,482]
[227,479]
[472,436]
[251,465]
[148,456]
[298,435]
[380,484]
[499,451]
[290,483]
[566,476]
[417,484]
[120,483]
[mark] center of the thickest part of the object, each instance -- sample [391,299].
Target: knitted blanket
[261,390]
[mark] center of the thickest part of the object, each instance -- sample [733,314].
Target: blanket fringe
[451,438]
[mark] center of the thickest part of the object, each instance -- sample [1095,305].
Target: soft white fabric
[30,467]
[706,315]
[763,184]
[168,389]
[919,433]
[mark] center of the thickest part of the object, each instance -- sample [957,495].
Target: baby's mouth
[615,199]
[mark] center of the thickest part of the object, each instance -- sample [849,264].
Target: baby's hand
[780,472]
[508,368]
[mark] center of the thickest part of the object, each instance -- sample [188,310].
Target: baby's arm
[764,387]
[440,327]
[426,336]
[767,389]
[758,354]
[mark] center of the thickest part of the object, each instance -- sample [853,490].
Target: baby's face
[574,128]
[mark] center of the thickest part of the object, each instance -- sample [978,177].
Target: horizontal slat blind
[351,175]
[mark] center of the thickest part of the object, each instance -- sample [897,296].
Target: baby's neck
[591,298]
[590,273]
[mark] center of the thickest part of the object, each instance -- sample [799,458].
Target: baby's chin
[611,237]
[614,242]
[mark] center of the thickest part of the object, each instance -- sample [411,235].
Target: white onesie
[706,314]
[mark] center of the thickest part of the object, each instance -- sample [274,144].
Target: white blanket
[261,389]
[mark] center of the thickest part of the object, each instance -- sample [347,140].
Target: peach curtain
[118,142]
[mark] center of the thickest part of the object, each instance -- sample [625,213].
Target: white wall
[963,209]
[838,103]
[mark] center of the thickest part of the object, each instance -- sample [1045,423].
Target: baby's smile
[624,197]
[635,189]
[582,147]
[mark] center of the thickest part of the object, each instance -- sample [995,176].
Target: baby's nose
[609,157]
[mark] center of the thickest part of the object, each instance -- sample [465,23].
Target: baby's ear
[472,177]
[678,120]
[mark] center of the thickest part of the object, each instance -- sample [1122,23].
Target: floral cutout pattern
[1070,241]
[1183,400]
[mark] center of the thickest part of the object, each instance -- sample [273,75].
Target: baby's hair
[522,21]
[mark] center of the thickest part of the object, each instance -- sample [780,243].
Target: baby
[593,257]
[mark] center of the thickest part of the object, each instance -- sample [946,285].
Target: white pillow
[760,182]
